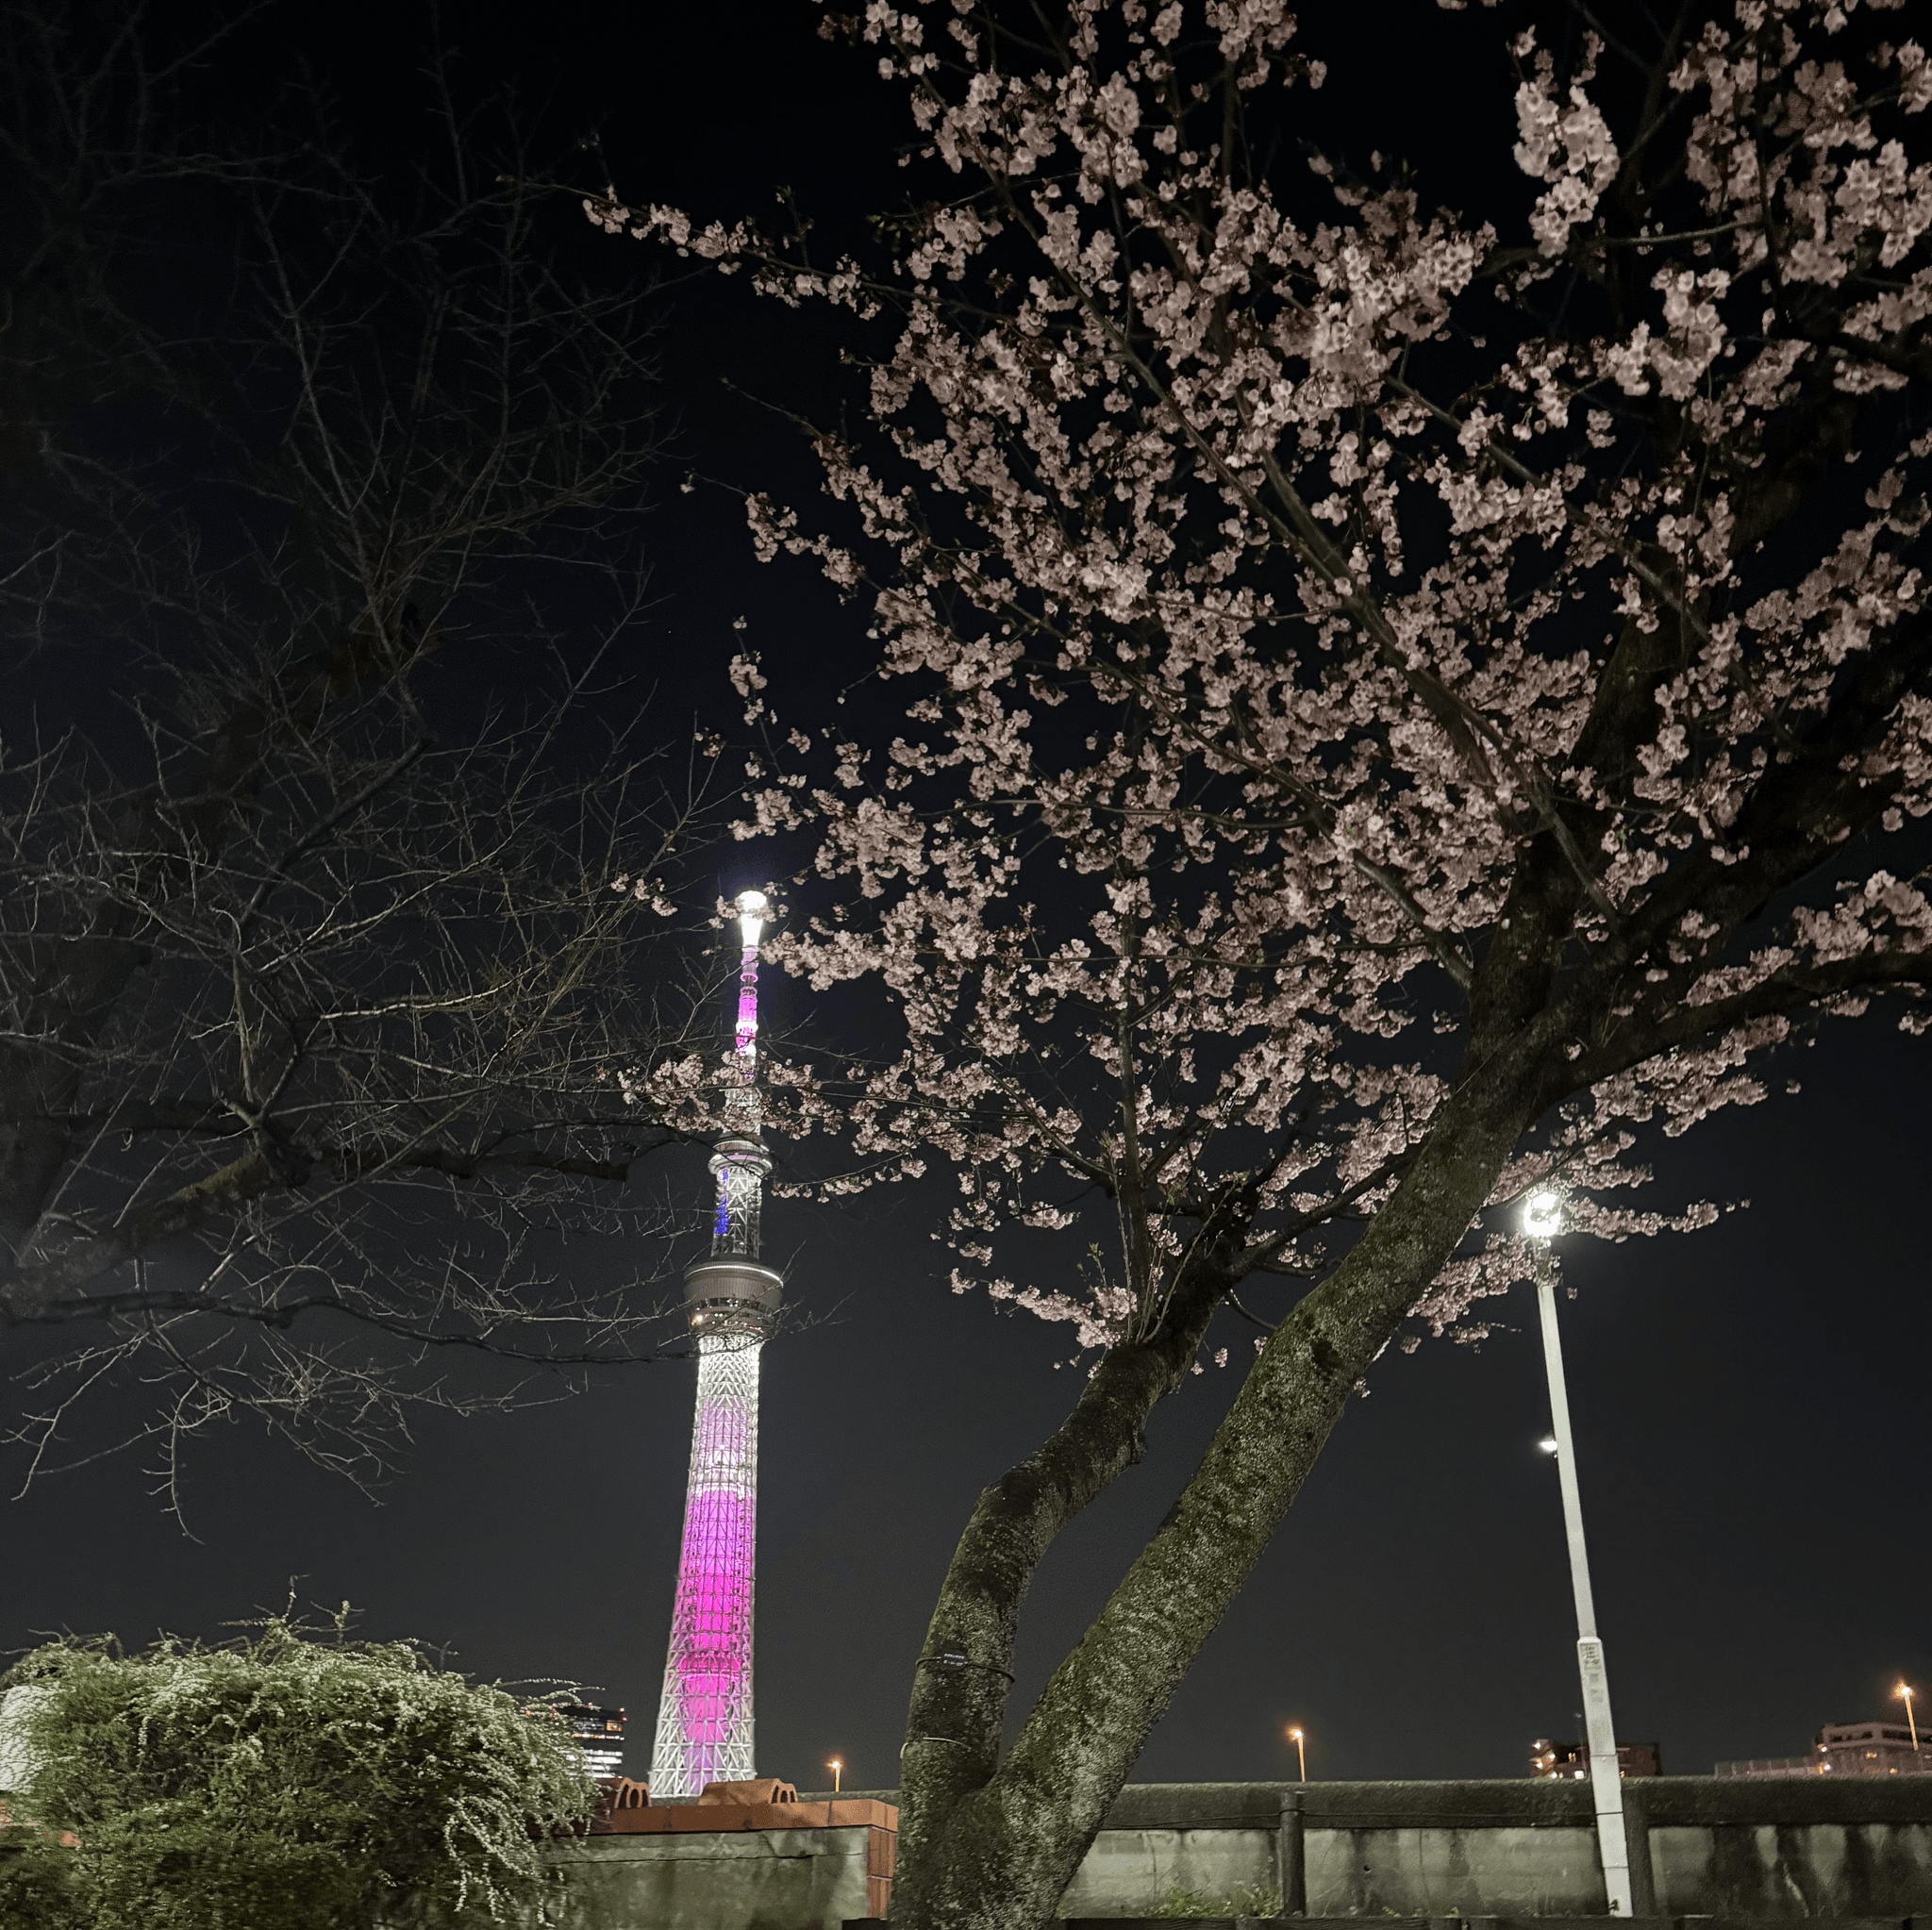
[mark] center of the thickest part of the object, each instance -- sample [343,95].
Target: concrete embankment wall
[1861,1848]
[1805,1848]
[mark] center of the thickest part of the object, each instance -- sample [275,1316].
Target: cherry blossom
[1369,670]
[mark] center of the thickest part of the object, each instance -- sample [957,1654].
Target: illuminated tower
[705,1717]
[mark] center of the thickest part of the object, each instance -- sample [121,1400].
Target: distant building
[1561,1761]
[18,1763]
[599,1734]
[1845,1749]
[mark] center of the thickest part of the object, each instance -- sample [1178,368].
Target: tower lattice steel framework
[705,1714]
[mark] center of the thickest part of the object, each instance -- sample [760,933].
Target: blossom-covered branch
[1371,671]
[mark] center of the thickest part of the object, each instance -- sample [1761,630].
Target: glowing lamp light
[1542,1214]
[751,906]
[1548,1446]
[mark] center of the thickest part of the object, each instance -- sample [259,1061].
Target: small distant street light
[838,1769]
[1301,1752]
[1543,1218]
[1905,1689]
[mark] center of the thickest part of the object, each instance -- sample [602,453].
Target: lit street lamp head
[1542,1214]
[1548,1446]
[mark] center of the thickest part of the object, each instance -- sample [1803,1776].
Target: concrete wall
[767,1879]
[1367,1849]
[1807,1848]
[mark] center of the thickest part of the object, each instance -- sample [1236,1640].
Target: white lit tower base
[705,1714]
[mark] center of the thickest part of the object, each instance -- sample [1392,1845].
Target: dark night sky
[1749,1401]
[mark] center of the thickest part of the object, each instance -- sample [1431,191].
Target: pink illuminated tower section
[705,1714]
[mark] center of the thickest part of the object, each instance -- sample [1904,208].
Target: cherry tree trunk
[998,1853]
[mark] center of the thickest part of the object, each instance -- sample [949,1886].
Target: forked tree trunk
[986,1848]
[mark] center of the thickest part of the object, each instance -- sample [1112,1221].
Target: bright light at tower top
[751,916]
[1542,1214]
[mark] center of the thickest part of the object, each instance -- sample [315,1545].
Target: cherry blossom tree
[1401,704]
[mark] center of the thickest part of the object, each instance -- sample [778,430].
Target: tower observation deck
[705,1714]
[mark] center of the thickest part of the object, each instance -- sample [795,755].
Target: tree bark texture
[986,1848]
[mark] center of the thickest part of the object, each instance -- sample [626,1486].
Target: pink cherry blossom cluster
[1352,644]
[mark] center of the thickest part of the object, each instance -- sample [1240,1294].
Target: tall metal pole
[1607,1782]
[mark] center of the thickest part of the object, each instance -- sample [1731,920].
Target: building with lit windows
[1570,1762]
[599,1734]
[1846,1749]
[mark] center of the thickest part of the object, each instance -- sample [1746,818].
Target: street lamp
[1543,1218]
[837,1768]
[1905,1689]
[1542,1214]
[1301,1752]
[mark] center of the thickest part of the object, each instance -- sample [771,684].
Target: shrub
[289,1780]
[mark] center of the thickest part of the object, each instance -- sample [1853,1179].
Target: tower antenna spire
[705,1714]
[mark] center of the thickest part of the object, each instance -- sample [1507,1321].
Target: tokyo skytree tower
[705,1714]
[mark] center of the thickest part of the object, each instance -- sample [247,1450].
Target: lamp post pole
[1906,1689]
[1301,1752]
[1542,1218]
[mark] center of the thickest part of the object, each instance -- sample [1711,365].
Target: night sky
[1749,1401]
